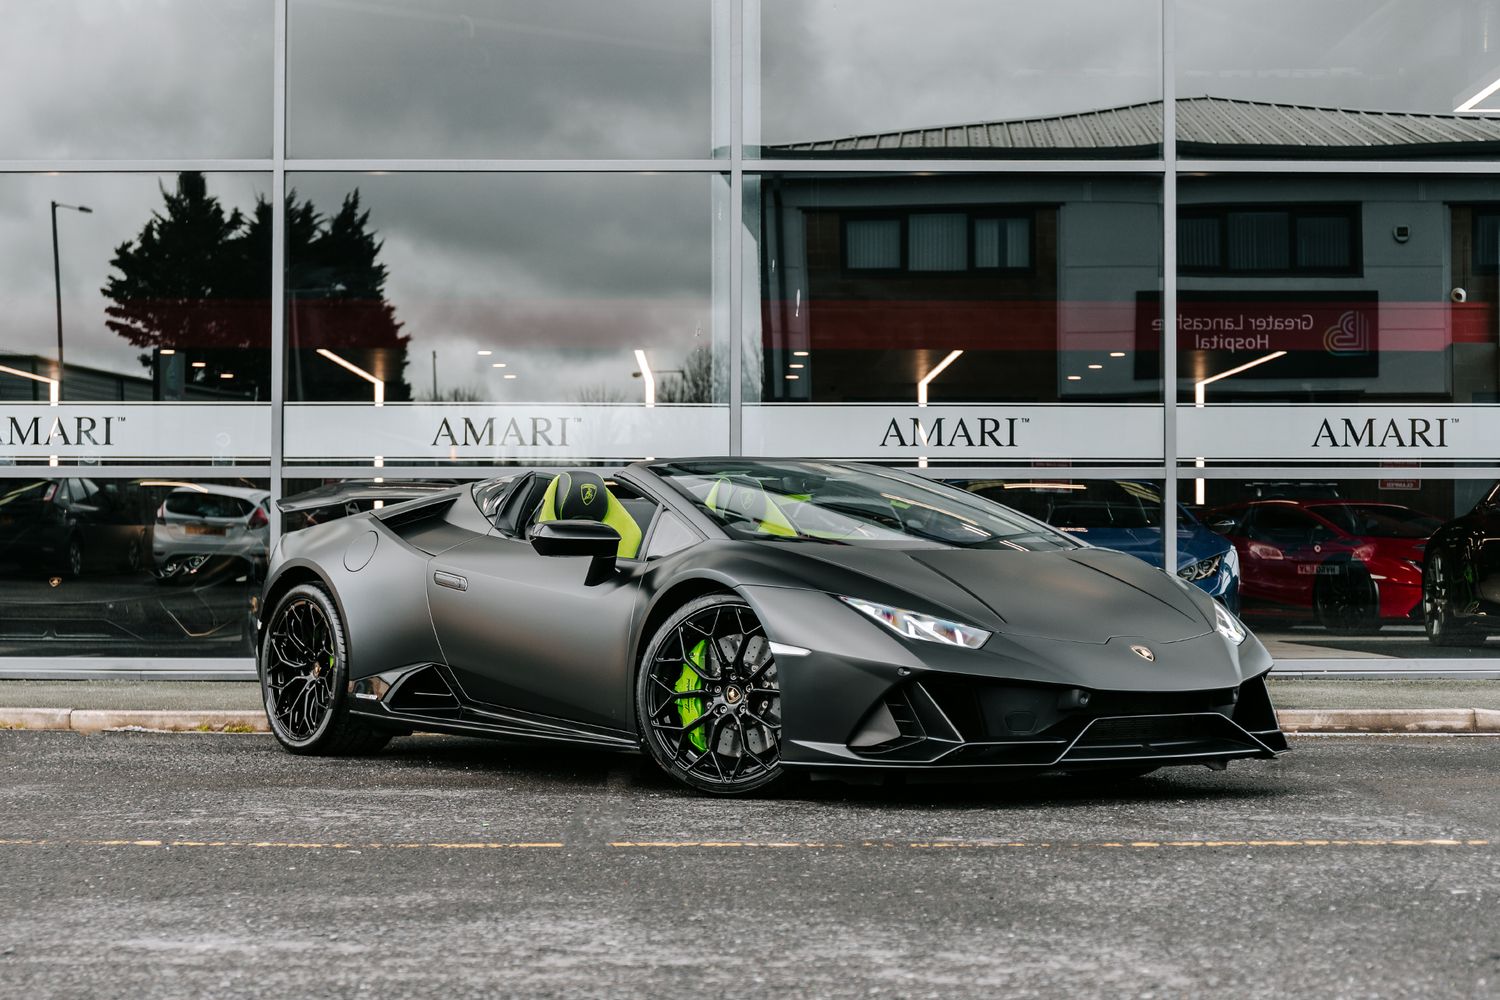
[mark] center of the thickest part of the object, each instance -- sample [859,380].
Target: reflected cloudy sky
[1378,55]
[833,68]
[506,78]
[138,79]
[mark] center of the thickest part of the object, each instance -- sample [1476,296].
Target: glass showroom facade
[1227,269]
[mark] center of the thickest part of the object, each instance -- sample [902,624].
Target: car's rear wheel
[709,699]
[71,562]
[304,671]
[1441,592]
[1345,598]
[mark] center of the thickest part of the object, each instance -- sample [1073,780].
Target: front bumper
[947,722]
[858,697]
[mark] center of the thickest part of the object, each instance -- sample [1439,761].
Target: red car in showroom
[1351,565]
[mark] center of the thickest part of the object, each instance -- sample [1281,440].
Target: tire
[135,553]
[726,741]
[70,564]
[304,678]
[1347,602]
[1440,591]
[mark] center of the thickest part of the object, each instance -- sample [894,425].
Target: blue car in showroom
[1124,515]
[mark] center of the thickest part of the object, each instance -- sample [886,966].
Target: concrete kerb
[1293,720]
[87,720]
[1387,720]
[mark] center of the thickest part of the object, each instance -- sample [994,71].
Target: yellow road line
[280,844]
[814,845]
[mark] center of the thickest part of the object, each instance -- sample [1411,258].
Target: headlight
[1228,625]
[919,626]
[1202,569]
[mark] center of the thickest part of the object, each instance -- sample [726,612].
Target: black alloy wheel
[304,678]
[709,700]
[1345,598]
[1440,595]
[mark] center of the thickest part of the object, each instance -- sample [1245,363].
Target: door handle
[450,580]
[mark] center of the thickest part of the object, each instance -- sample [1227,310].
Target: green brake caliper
[690,710]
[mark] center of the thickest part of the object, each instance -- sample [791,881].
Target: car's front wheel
[304,671]
[709,700]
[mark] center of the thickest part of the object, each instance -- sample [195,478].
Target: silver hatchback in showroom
[200,523]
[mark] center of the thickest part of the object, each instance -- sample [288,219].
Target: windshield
[851,505]
[1379,520]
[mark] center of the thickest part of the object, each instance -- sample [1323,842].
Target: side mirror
[579,538]
[1223,526]
[574,538]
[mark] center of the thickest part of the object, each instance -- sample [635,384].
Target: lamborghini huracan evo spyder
[742,618]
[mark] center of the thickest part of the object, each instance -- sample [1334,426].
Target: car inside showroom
[1162,293]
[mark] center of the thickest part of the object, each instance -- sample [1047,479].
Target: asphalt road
[183,865]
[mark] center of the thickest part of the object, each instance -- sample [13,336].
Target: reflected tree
[180,285]
[196,281]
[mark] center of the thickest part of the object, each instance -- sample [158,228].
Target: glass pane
[1354,289]
[161,316]
[939,242]
[1258,241]
[497,317]
[502,78]
[131,567]
[121,79]
[954,78]
[874,244]
[1198,245]
[1058,303]
[1337,78]
[1323,242]
[1335,567]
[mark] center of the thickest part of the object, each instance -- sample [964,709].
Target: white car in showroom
[200,523]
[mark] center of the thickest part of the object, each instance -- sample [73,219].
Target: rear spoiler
[353,493]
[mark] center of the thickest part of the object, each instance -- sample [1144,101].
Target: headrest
[581,496]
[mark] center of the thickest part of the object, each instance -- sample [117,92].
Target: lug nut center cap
[732,695]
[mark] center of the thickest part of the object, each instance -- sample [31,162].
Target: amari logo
[1348,337]
[534,432]
[953,432]
[57,432]
[1412,432]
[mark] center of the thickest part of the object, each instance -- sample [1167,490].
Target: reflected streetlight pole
[57,282]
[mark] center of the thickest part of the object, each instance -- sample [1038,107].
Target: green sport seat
[753,502]
[583,496]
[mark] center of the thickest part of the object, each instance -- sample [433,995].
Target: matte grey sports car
[739,619]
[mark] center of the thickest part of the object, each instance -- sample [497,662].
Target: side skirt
[425,696]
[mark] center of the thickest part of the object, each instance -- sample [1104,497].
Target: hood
[1076,595]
